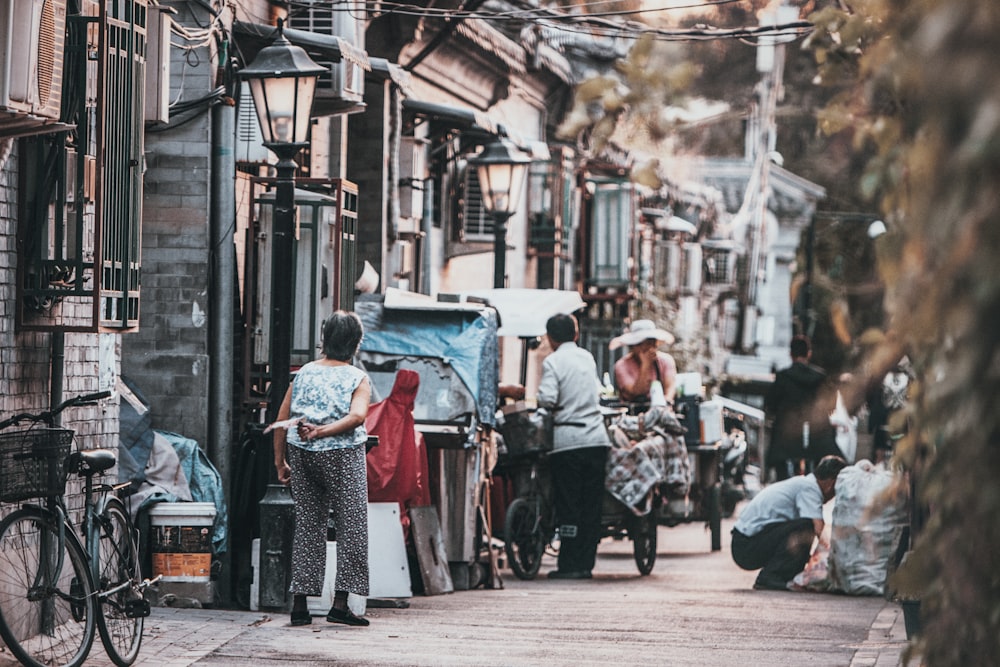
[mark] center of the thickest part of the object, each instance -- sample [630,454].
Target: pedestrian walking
[801,433]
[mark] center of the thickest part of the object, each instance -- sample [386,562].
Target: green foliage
[925,93]
[651,78]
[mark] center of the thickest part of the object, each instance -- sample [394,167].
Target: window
[80,207]
[476,223]
[611,217]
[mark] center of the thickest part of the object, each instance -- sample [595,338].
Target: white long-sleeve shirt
[571,389]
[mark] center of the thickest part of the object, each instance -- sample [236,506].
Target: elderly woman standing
[327,404]
[644,363]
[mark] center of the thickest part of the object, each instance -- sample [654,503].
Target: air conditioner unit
[693,268]
[32,38]
[157,99]
[341,89]
[412,176]
[668,266]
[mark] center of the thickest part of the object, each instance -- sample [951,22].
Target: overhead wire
[591,23]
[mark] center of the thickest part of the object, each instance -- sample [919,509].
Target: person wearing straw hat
[644,363]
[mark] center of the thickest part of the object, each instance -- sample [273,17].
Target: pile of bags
[647,450]
[869,515]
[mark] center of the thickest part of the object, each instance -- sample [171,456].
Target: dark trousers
[780,550]
[578,496]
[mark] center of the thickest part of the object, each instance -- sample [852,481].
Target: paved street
[696,608]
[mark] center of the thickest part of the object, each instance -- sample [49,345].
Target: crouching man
[775,531]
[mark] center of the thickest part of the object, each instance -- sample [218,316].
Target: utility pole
[761,141]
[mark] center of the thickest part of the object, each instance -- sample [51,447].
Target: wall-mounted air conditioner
[341,89]
[668,266]
[412,176]
[693,269]
[32,38]
[158,65]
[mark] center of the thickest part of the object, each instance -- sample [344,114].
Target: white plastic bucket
[181,540]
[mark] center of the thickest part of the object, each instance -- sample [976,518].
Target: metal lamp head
[282,80]
[502,170]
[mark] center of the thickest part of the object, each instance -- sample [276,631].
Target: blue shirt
[797,497]
[321,395]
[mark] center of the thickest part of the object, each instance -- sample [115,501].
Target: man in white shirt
[775,531]
[571,389]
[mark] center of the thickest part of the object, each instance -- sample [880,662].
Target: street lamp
[502,170]
[282,80]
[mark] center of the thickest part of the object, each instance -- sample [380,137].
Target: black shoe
[770,585]
[570,574]
[345,616]
[301,618]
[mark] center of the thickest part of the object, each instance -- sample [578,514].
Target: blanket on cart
[647,451]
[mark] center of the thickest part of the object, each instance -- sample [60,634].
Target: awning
[458,118]
[394,72]
[324,47]
[524,311]
[477,123]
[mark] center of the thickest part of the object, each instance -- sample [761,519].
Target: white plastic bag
[847,430]
[867,521]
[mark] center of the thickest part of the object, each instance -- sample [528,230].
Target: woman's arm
[280,444]
[668,376]
[355,416]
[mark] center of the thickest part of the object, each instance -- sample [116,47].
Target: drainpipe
[222,222]
[58,347]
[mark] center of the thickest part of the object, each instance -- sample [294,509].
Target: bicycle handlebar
[48,416]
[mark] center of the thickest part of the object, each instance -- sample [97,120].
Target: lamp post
[502,170]
[282,80]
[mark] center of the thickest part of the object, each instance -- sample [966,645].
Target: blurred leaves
[633,101]
[923,91]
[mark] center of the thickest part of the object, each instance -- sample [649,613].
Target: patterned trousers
[323,481]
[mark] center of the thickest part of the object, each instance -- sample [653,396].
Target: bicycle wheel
[642,532]
[46,592]
[524,541]
[122,608]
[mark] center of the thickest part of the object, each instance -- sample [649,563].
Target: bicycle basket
[527,430]
[32,463]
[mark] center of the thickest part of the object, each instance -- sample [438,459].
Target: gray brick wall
[25,357]
[168,357]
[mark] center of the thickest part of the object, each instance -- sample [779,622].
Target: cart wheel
[715,515]
[524,542]
[642,532]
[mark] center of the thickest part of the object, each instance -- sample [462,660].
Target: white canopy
[524,312]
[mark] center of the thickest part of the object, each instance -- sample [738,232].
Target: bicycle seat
[91,461]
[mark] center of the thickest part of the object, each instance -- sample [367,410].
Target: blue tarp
[464,339]
[205,483]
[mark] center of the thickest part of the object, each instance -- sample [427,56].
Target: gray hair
[342,333]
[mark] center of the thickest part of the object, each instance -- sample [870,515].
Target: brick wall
[25,358]
[168,358]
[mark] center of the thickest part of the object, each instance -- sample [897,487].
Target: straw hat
[640,331]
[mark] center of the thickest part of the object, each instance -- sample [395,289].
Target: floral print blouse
[321,395]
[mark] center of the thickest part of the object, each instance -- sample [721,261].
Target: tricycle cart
[700,450]
[529,529]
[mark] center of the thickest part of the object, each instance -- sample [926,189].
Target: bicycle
[56,589]
[530,522]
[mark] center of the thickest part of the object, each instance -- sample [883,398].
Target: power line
[592,24]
